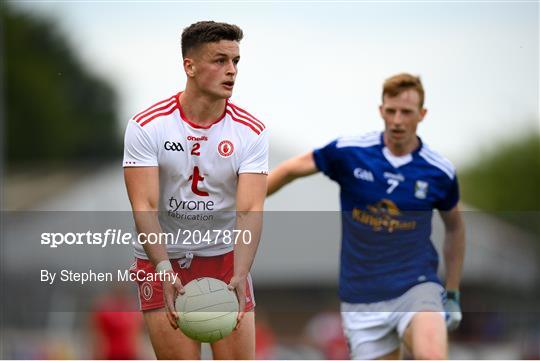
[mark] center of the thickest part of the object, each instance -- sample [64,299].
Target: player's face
[401,115]
[214,67]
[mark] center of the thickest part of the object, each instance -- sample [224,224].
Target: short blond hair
[399,83]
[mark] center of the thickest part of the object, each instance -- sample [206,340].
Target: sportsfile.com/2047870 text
[119,237]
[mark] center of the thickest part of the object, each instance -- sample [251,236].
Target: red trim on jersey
[142,118]
[246,113]
[251,125]
[158,115]
[195,125]
[245,118]
[151,107]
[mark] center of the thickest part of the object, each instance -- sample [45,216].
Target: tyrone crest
[225,148]
[147,291]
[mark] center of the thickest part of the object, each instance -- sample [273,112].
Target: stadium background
[73,73]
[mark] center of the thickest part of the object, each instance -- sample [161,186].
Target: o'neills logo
[202,138]
[225,148]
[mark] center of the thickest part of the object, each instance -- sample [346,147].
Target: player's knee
[429,352]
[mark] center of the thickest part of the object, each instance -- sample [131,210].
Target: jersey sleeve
[256,156]
[325,159]
[451,198]
[139,150]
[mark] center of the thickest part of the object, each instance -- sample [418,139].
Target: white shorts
[375,329]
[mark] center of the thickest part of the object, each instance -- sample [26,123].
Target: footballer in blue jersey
[390,184]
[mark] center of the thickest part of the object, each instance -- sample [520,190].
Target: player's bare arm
[142,185]
[251,192]
[454,246]
[297,167]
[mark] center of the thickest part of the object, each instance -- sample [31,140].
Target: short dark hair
[399,83]
[208,32]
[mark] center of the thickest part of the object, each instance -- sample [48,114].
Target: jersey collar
[194,125]
[399,161]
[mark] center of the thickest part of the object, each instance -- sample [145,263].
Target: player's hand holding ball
[453,310]
[238,284]
[170,292]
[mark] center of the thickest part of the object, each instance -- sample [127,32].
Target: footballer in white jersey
[198,168]
[196,162]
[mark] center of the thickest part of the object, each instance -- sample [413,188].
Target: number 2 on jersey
[195,149]
[393,184]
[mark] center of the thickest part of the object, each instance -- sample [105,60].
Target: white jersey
[198,171]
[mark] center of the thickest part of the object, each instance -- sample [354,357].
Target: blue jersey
[387,205]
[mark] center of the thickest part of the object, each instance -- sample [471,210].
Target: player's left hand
[238,284]
[452,310]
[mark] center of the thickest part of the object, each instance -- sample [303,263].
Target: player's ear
[381,111]
[423,113]
[189,67]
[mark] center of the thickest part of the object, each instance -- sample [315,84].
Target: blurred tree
[55,110]
[508,182]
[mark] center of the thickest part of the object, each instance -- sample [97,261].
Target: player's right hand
[170,292]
